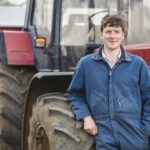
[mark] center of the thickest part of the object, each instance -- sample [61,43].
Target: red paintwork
[18,48]
[142,50]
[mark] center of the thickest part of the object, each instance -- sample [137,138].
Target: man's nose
[112,35]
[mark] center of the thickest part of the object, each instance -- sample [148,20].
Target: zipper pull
[110,72]
[119,102]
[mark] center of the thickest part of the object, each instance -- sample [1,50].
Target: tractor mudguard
[41,83]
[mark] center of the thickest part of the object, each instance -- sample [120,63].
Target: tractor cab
[72,28]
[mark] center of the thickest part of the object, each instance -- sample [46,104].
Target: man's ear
[123,36]
[101,35]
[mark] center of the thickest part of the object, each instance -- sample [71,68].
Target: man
[110,92]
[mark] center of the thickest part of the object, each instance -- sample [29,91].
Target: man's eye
[117,32]
[108,32]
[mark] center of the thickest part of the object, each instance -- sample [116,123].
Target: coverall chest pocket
[98,103]
[128,102]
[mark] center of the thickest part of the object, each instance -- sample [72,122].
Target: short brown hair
[113,20]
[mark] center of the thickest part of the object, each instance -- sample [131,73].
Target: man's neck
[112,55]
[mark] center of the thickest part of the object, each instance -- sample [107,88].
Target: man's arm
[144,84]
[77,98]
[77,93]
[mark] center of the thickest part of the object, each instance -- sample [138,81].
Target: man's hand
[89,125]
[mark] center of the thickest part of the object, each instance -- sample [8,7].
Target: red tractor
[53,36]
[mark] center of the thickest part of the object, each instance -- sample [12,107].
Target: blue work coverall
[118,100]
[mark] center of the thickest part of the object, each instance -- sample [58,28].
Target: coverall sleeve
[145,96]
[77,93]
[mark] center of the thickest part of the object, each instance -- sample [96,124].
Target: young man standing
[110,92]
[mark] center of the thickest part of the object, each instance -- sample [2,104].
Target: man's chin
[113,48]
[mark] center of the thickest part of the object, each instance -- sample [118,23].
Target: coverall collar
[124,56]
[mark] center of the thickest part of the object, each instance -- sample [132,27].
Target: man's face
[112,37]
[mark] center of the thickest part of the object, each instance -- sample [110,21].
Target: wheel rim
[41,139]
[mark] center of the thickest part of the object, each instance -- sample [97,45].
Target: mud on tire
[53,127]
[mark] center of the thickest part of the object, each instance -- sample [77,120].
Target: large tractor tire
[53,127]
[13,86]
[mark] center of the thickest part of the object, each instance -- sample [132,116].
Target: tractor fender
[41,83]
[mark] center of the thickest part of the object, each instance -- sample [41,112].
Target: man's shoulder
[88,57]
[138,60]
[86,60]
[135,57]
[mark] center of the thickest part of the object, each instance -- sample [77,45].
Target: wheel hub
[41,139]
